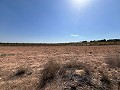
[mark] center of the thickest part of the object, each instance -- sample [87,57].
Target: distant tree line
[102,42]
[86,43]
[110,40]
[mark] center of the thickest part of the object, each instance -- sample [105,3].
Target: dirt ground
[32,60]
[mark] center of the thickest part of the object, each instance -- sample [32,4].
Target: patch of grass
[75,80]
[74,75]
[48,74]
[113,61]
[75,65]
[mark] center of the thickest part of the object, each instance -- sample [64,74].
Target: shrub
[48,74]
[74,75]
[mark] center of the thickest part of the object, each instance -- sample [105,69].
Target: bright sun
[77,4]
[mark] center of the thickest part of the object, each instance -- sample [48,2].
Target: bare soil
[21,66]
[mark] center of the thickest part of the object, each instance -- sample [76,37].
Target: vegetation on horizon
[86,43]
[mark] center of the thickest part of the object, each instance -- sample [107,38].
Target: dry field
[95,67]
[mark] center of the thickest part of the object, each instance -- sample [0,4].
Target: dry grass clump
[71,76]
[106,84]
[111,77]
[113,61]
[48,74]
[75,75]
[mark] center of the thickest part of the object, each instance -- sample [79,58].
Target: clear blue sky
[58,20]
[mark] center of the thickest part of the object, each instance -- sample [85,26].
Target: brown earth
[20,66]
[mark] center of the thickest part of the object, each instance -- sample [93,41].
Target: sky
[55,21]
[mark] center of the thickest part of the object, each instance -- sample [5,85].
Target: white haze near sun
[80,4]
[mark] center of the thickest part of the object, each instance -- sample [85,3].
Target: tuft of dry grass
[113,61]
[75,75]
[48,74]
[106,84]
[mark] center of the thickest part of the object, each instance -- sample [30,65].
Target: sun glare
[78,4]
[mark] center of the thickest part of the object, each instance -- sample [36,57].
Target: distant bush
[84,41]
[113,40]
[104,40]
